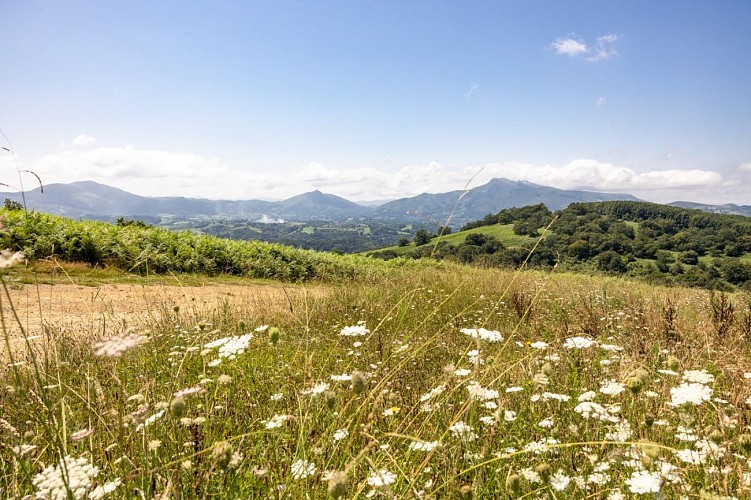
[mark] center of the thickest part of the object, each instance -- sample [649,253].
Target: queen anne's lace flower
[644,482]
[690,393]
[483,334]
[381,478]
[578,343]
[51,484]
[357,330]
[114,347]
[302,469]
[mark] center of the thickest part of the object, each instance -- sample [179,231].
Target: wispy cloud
[83,140]
[745,167]
[573,46]
[600,102]
[472,89]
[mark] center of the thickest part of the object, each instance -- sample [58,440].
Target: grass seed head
[177,407]
[221,454]
[358,382]
[338,484]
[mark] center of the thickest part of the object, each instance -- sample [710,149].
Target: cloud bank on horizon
[163,173]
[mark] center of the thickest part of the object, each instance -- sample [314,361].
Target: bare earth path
[108,309]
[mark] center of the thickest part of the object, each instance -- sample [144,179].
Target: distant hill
[487,199]
[91,200]
[728,208]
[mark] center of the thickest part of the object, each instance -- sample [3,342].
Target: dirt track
[84,310]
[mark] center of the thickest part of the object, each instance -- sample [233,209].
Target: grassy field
[422,382]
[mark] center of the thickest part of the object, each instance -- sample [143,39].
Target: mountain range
[91,200]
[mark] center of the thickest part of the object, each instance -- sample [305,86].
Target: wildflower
[390,412]
[189,391]
[546,423]
[261,329]
[316,389]
[341,378]
[424,445]
[354,331]
[105,489]
[82,434]
[275,421]
[10,259]
[693,457]
[302,469]
[530,475]
[698,376]
[340,434]
[644,482]
[463,431]
[539,345]
[276,397]
[479,393]
[487,420]
[559,481]
[578,343]
[381,478]
[433,392]
[509,390]
[483,334]
[462,372]
[114,347]
[690,393]
[546,396]
[23,449]
[230,347]
[621,432]
[50,483]
[509,416]
[154,445]
[474,357]
[150,420]
[612,388]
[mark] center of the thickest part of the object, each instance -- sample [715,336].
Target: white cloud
[600,102]
[83,140]
[162,173]
[569,46]
[604,48]
[472,89]
[745,167]
[573,47]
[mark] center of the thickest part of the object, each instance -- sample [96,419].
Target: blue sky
[379,100]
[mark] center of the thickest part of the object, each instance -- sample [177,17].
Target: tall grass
[424,382]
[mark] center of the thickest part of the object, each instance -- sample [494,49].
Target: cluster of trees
[339,237]
[137,247]
[659,243]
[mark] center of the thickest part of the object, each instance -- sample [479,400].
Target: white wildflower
[690,393]
[483,334]
[114,347]
[354,331]
[644,482]
[381,478]
[579,343]
[51,484]
[302,469]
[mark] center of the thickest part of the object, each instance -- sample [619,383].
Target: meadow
[420,381]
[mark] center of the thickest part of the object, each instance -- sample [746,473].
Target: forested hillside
[659,243]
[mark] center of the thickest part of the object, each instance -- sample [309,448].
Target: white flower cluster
[9,259]
[114,347]
[480,393]
[357,330]
[579,343]
[51,484]
[483,334]
[230,347]
[690,393]
[589,409]
[463,431]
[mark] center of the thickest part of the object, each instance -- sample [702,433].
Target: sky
[378,100]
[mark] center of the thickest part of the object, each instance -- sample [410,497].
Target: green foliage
[658,243]
[423,237]
[138,247]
